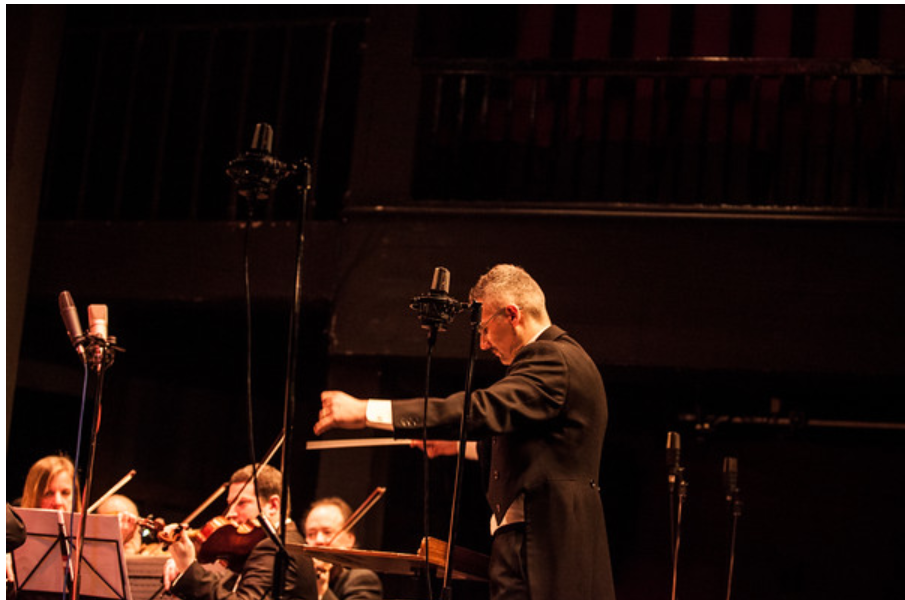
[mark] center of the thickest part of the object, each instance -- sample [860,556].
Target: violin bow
[356,516]
[112,491]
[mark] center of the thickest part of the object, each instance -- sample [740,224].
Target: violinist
[185,577]
[325,519]
[49,485]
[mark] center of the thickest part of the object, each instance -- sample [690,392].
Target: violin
[220,540]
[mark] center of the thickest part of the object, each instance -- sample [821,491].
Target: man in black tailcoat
[540,432]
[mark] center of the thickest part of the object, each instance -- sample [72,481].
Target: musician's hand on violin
[128,523]
[182,550]
[170,573]
[340,410]
[323,576]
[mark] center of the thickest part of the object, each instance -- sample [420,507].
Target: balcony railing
[773,135]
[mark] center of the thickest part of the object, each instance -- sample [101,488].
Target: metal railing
[717,134]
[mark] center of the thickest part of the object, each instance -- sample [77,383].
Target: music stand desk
[39,565]
[467,564]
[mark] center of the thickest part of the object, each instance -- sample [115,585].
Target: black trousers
[509,564]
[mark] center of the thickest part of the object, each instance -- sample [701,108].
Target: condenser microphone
[730,477]
[440,282]
[437,309]
[71,321]
[97,321]
[673,452]
[257,169]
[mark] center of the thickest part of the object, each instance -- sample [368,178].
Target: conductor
[540,432]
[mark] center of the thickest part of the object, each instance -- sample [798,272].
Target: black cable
[248,342]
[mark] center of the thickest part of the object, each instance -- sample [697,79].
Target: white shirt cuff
[379,414]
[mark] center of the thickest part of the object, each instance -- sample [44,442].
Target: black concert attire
[354,584]
[540,430]
[15,530]
[255,582]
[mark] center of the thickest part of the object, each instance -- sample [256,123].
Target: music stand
[39,564]
[468,564]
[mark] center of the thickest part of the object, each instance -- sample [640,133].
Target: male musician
[540,430]
[188,579]
[324,520]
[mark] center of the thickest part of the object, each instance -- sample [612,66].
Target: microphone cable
[75,478]
[249,402]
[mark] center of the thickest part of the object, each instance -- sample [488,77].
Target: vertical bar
[831,142]
[438,104]
[462,99]
[856,199]
[322,109]
[531,138]
[678,106]
[486,162]
[729,152]
[887,195]
[241,134]
[702,140]
[776,176]
[560,147]
[90,127]
[202,121]
[629,142]
[458,176]
[581,111]
[128,119]
[600,188]
[164,126]
[805,136]
[655,161]
[484,113]
[507,134]
[753,172]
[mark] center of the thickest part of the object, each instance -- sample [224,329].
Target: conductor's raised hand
[339,410]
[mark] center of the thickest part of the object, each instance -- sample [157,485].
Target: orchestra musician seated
[325,519]
[49,485]
[185,577]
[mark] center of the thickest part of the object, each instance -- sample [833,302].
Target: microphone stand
[99,354]
[681,490]
[433,330]
[736,513]
[436,311]
[476,316]
[304,189]
[257,173]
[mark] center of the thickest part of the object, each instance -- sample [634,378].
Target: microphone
[71,321]
[730,477]
[437,309]
[97,319]
[673,452]
[257,170]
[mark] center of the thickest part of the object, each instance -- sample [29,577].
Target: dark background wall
[771,335]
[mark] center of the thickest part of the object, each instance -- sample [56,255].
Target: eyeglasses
[482,327]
